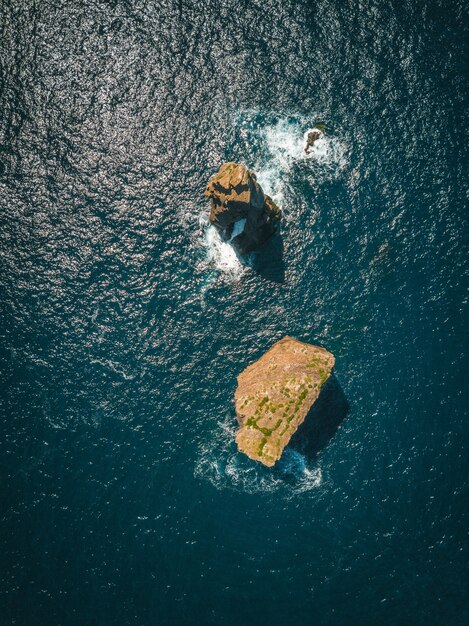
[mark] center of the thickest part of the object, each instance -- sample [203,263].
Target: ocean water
[125,320]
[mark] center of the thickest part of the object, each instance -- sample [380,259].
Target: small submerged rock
[311,136]
[243,214]
[275,394]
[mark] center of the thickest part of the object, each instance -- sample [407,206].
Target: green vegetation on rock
[274,395]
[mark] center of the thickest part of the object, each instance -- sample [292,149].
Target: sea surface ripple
[124,319]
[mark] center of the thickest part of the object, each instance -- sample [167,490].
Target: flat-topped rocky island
[274,395]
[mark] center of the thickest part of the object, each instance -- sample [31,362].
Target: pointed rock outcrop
[242,213]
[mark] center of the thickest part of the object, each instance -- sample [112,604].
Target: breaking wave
[224,467]
[222,254]
[220,260]
[278,143]
[273,147]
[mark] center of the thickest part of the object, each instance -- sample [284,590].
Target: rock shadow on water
[269,262]
[322,421]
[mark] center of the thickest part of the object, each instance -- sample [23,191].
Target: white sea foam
[285,142]
[280,147]
[224,467]
[294,464]
[274,147]
[219,255]
[238,228]
[222,253]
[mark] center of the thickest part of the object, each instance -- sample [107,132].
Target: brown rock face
[274,396]
[242,213]
[311,138]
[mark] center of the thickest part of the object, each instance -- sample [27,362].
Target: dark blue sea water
[125,321]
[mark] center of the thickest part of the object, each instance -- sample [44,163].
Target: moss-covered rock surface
[274,395]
